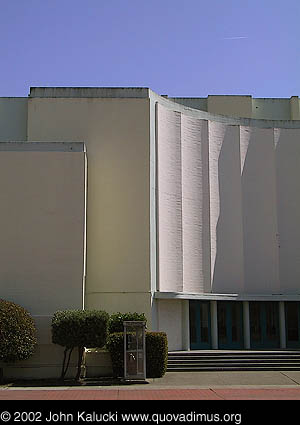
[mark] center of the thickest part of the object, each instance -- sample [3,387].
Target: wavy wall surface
[228,206]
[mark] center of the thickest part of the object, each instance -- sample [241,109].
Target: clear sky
[180,48]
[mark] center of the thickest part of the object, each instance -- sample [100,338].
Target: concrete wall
[245,106]
[13,118]
[42,223]
[116,133]
[273,109]
[170,321]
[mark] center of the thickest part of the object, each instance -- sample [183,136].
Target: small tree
[78,328]
[17,332]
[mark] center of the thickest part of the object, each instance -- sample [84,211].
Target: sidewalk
[175,386]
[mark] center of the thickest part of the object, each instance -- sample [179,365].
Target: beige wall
[42,223]
[234,106]
[116,133]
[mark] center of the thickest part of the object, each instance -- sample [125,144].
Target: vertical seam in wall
[238,127]
[276,209]
[156,200]
[181,201]
[209,277]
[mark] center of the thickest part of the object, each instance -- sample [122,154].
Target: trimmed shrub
[79,328]
[116,320]
[17,332]
[115,345]
[156,353]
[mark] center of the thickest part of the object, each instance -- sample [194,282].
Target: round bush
[17,332]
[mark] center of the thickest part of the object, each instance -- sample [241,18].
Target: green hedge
[156,353]
[80,328]
[17,332]
[116,320]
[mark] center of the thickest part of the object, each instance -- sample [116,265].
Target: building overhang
[225,297]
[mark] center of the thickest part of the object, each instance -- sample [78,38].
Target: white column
[185,325]
[282,332]
[214,324]
[246,324]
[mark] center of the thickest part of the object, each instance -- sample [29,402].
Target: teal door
[230,325]
[292,324]
[264,324]
[200,325]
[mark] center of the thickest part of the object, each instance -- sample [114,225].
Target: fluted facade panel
[228,206]
[193,136]
[169,200]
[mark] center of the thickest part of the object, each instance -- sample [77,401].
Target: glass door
[200,325]
[292,319]
[264,324]
[230,325]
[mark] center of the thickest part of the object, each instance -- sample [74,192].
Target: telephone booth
[134,350]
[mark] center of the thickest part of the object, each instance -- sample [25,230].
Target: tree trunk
[80,356]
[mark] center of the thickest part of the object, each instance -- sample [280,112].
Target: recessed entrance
[264,324]
[230,325]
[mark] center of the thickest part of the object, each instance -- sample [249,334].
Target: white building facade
[186,211]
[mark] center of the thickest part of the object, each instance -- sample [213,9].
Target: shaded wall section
[287,149]
[226,230]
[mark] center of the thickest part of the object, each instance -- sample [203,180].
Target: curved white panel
[169,200]
[193,137]
[228,205]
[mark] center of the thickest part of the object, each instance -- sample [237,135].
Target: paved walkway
[175,386]
[162,394]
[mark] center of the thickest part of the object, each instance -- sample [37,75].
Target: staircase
[234,360]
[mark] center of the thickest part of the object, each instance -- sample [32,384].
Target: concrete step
[228,361]
[234,368]
[234,360]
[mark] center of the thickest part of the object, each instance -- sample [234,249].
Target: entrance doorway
[264,324]
[200,325]
[230,325]
[292,323]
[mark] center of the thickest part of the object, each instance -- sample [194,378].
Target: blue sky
[180,48]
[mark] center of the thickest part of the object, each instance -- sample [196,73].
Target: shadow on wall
[228,268]
[287,144]
[259,204]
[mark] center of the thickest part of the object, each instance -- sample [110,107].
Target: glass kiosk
[134,350]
